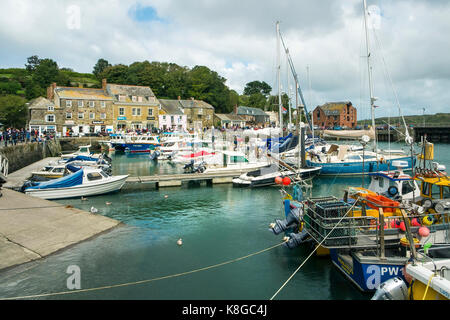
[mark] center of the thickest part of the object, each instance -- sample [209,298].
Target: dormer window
[121,97]
[139,99]
[51,108]
[133,98]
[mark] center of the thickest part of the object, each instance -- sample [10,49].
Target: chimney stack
[51,91]
[104,84]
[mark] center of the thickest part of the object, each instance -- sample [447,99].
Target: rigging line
[391,83]
[310,255]
[147,280]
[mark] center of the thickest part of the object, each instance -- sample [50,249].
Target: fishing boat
[82,151]
[141,144]
[85,182]
[266,175]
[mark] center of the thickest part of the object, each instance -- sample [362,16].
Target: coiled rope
[147,280]
[310,255]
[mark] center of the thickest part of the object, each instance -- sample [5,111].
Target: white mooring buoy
[179,242]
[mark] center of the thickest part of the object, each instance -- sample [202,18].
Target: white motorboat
[226,161]
[82,151]
[85,182]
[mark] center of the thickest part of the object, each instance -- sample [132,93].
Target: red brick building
[333,114]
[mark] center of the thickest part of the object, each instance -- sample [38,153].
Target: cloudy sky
[409,41]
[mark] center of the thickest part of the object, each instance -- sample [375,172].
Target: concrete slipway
[32,228]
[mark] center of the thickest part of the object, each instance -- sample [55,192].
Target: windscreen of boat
[64,182]
[93,176]
[446,192]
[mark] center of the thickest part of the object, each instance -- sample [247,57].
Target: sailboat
[343,161]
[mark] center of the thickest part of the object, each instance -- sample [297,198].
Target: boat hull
[269,179]
[91,189]
[367,276]
[356,168]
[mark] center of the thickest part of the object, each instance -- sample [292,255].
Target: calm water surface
[217,223]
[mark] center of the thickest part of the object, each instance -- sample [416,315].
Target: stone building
[44,117]
[134,107]
[77,110]
[199,113]
[229,120]
[333,114]
[252,116]
[171,115]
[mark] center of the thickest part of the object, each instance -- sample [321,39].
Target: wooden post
[381,225]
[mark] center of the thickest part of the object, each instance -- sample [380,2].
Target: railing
[3,166]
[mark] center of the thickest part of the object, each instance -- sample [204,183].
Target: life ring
[392,190]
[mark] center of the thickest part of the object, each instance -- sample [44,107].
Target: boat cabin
[394,184]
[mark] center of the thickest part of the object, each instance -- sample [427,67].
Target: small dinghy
[85,182]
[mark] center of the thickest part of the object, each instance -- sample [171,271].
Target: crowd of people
[13,136]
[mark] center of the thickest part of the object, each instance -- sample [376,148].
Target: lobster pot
[327,215]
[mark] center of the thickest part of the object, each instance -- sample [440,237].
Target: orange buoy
[424,232]
[402,226]
[415,222]
[278,180]
[286,181]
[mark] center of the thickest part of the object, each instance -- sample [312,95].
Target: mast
[369,69]
[278,77]
[309,91]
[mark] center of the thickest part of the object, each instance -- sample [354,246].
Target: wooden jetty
[175,180]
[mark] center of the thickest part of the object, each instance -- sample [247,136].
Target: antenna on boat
[364,141]
[278,77]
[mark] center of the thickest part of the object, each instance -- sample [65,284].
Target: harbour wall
[22,155]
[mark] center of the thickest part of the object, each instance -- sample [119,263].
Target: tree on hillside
[256,87]
[100,66]
[32,63]
[115,74]
[13,111]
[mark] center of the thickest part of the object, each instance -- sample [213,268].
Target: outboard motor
[154,155]
[295,239]
[189,167]
[105,156]
[392,289]
[201,167]
[292,220]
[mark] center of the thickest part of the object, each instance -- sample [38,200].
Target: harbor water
[216,223]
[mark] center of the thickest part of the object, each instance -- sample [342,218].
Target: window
[122,97]
[80,104]
[102,115]
[150,111]
[50,118]
[171,119]
[133,98]
[407,187]
[426,188]
[91,104]
[435,191]
[200,111]
[68,103]
[94,176]
[164,117]
[139,99]
[103,104]
[445,192]
[68,115]
[121,111]
[51,108]
[136,111]
[80,115]
[91,115]
[381,183]
[318,114]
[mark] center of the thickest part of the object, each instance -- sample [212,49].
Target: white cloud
[237,39]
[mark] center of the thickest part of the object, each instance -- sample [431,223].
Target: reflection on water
[217,223]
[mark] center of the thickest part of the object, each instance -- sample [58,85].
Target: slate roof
[148,97]
[195,104]
[250,111]
[40,103]
[229,117]
[334,108]
[172,107]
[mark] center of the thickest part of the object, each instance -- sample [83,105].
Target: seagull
[83,198]
[179,242]
[166,196]
[94,210]
[108,203]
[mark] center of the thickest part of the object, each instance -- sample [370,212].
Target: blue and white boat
[137,144]
[343,161]
[84,182]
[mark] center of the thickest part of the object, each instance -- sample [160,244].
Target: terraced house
[84,110]
[199,113]
[134,107]
[44,117]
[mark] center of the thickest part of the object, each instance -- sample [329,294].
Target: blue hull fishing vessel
[359,167]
